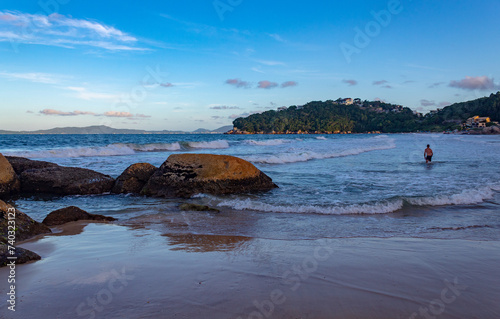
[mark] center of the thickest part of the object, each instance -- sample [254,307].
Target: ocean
[330,186]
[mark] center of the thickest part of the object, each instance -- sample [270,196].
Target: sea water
[329,185]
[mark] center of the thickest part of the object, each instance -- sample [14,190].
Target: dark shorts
[429,158]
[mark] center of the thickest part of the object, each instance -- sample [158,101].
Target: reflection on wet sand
[206,243]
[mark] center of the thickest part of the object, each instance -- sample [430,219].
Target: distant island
[356,116]
[102,129]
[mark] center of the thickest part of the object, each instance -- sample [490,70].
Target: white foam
[376,208]
[466,197]
[321,138]
[267,142]
[108,150]
[284,158]
[218,144]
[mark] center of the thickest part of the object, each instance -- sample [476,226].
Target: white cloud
[33,77]
[63,31]
[85,94]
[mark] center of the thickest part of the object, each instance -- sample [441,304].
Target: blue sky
[182,65]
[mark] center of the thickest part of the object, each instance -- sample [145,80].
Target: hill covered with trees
[368,116]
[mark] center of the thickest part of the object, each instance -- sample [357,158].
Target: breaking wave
[118,149]
[305,156]
[273,142]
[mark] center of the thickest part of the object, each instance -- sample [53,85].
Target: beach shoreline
[133,272]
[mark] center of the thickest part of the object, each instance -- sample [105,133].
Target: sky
[183,65]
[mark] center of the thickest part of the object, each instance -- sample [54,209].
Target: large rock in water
[133,179]
[20,164]
[62,180]
[25,229]
[184,175]
[9,182]
[71,214]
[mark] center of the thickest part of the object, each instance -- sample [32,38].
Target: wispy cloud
[424,102]
[63,31]
[63,113]
[106,114]
[267,85]
[224,107]
[277,37]
[33,77]
[351,82]
[482,83]
[435,85]
[289,84]
[238,83]
[270,62]
[380,82]
[85,94]
[166,85]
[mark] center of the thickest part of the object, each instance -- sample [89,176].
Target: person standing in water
[428,154]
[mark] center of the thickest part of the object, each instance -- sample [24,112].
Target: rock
[9,182]
[65,181]
[197,208]
[184,175]
[133,179]
[20,164]
[491,130]
[25,225]
[71,214]
[23,255]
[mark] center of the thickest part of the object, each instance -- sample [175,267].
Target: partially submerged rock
[62,180]
[26,227]
[184,175]
[20,164]
[133,179]
[197,208]
[23,255]
[72,214]
[9,182]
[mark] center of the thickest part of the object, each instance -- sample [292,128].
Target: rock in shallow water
[25,229]
[184,175]
[72,214]
[9,182]
[133,179]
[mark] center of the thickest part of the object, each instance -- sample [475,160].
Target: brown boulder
[9,182]
[26,227]
[184,175]
[22,255]
[133,179]
[65,181]
[20,164]
[72,214]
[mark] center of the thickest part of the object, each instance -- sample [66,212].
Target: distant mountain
[102,129]
[223,129]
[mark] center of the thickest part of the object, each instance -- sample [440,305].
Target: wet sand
[112,271]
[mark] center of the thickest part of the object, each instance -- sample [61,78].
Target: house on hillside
[347,101]
[476,122]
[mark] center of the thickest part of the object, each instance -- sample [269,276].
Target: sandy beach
[113,271]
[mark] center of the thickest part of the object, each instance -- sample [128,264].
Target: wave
[461,227]
[219,144]
[466,197]
[119,149]
[321,138]
[273,142]
[285,158]
[376,208]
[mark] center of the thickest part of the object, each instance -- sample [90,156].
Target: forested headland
[366,116]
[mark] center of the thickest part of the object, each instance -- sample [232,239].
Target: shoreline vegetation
[369,117]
